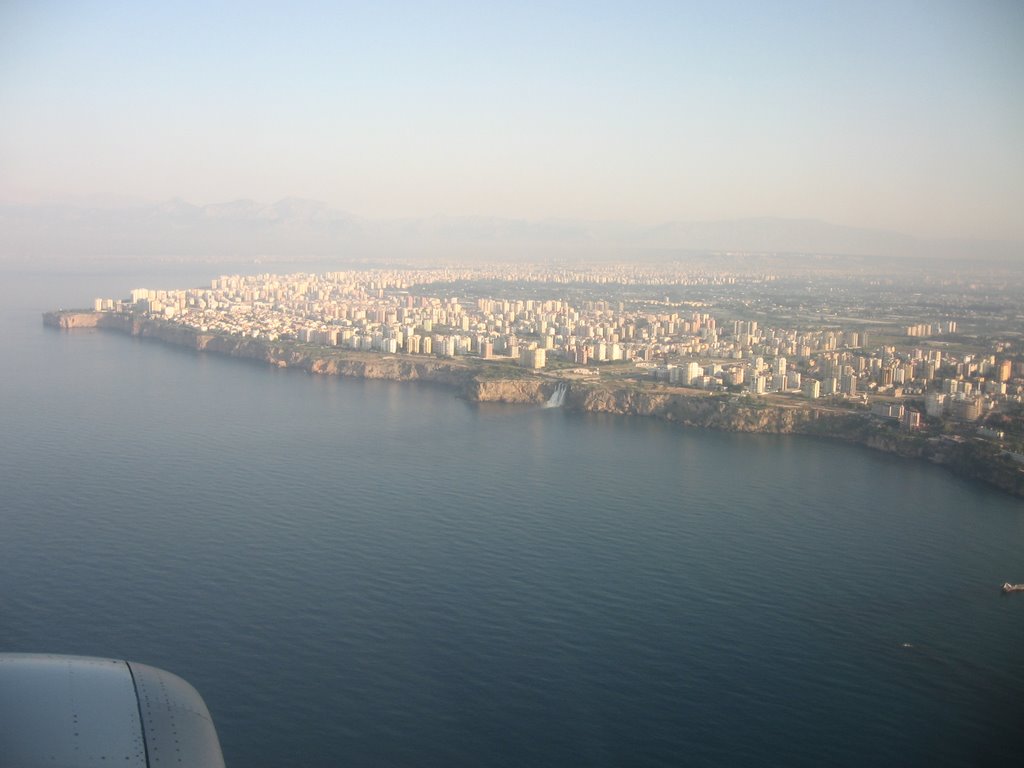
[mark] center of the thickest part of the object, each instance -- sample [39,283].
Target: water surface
[370,573]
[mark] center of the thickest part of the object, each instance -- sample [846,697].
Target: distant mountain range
[297,228]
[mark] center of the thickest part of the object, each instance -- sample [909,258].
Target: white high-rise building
[693,372]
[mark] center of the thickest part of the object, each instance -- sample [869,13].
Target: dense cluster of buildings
[395,312]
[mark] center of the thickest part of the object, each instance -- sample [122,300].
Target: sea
[367,573]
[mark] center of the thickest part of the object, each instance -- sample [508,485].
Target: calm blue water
[365,573]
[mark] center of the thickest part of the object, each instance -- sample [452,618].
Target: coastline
[478,381]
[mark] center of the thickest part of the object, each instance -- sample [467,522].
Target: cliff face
[973,459]
[283,356]
[911,449]
[696,409]
[699,410]
[86,319]
[691,409]
[391,369]
[527,391]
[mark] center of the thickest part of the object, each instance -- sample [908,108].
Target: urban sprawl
[859,342]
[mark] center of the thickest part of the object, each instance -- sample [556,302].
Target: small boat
[1008,587]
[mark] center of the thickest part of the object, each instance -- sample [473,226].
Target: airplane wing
[78,711]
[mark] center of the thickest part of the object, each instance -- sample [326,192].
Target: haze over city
[584,117]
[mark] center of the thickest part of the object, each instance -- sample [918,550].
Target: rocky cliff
[970,458]
[320,361]
[689,408]
[86,319]
[697,409]
[526,391]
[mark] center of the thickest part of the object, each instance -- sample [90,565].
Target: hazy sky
[902,115]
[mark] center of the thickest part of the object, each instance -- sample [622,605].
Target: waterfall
[557,397]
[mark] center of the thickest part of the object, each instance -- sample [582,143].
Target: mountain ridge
[296,226]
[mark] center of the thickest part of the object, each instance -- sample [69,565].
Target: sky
[897,115]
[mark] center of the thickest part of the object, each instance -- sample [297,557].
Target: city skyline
[842,355]
[901,117]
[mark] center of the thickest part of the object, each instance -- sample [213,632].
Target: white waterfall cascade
[557,397]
